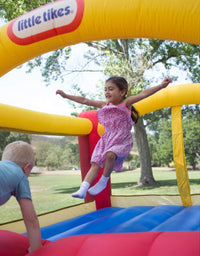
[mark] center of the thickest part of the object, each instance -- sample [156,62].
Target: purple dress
[117,138]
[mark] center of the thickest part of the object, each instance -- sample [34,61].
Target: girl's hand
[165,82]
[60,92]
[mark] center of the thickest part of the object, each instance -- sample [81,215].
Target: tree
[160,138]
[41,152]
[161,143]
[53,158]
[70,155]
[56,153]
[191,124]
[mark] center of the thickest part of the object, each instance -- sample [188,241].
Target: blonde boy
[17,162]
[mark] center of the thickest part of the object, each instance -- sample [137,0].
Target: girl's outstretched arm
[81,100]
[146,93]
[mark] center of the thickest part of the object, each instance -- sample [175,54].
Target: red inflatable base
[138,244]
[14,244]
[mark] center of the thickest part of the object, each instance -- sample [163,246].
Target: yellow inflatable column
[179,157]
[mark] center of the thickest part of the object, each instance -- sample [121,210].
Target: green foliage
[182,55]
[160,138]
[41,152]
[160,143]
[135,162]
[56,153]
[11,9]
[191,125]
[165,149]
[3,141]
[52,65]
[54,156]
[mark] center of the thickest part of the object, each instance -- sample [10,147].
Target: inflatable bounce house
[106,225]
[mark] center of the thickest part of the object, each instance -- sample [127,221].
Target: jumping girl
[117,115]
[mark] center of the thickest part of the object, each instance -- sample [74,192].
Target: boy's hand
[31,223]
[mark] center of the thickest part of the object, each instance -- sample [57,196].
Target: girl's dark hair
[122,84]
[119,81]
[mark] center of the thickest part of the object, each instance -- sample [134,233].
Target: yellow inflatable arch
[67,22]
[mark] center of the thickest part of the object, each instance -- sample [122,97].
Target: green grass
[51,192]
[125,183]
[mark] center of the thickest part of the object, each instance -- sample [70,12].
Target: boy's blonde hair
[20,153]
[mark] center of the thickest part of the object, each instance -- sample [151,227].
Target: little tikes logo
[50,20]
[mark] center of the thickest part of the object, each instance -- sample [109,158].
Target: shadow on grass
[161,183]
[66,190]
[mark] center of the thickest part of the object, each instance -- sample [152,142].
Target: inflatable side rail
[68,22]
[28,121]
[174,95]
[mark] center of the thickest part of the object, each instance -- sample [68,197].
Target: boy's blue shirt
[13,182]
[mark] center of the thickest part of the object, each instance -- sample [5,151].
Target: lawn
[125,183]
[53,191]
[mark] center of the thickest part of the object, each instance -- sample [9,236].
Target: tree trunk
[146,177]
[194,166]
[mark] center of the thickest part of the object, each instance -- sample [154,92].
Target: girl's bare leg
[90,176]
[101,184]
[109,163]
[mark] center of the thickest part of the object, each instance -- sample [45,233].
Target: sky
[28,90]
